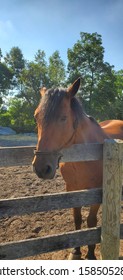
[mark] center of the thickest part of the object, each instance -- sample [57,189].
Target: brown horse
[61,123]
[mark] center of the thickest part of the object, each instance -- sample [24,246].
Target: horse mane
[93,120]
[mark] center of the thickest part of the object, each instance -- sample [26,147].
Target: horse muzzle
[45,164]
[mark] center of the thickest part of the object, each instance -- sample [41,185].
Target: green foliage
[21,115]
[32,77]
[15,60]
[5,118]
[119,97]
[86,57]
[6,76]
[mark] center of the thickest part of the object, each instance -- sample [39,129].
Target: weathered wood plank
[42,203]
[25,248]
[48,202]
[112,187]
[14,156]
[35,246]
[83,152]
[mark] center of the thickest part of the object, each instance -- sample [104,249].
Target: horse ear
[72,90]
[42,91]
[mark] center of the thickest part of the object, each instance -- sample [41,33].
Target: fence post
[111,207]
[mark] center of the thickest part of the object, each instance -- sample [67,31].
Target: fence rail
[48,202]
[34,246]
[13,156]
[21,206]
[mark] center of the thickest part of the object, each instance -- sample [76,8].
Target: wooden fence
[108,235]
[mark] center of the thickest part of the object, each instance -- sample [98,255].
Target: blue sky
[52,25]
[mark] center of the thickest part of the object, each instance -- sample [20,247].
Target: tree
[32,78]
[86,59]
[6,77]
[40,60]
[56,70]
[21,116]
[1,54]
[16,62]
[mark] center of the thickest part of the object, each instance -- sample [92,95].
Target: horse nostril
[48,169]
[45,171]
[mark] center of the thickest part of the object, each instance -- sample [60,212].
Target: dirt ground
[21,181]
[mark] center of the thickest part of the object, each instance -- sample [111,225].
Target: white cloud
[6,29]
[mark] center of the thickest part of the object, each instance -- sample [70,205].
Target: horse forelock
[51,103]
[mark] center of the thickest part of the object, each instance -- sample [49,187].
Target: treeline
[101,86]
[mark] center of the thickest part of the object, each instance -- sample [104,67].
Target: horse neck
[89,131]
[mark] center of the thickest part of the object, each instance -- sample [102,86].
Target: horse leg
[92,222]
[76,253]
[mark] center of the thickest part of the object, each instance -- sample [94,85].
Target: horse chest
[82,175]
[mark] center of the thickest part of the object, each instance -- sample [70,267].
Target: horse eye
[63,118]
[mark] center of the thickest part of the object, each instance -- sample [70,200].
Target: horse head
[56,123]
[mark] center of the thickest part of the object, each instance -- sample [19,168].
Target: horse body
[84,175]
[62,127]
[113,128]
